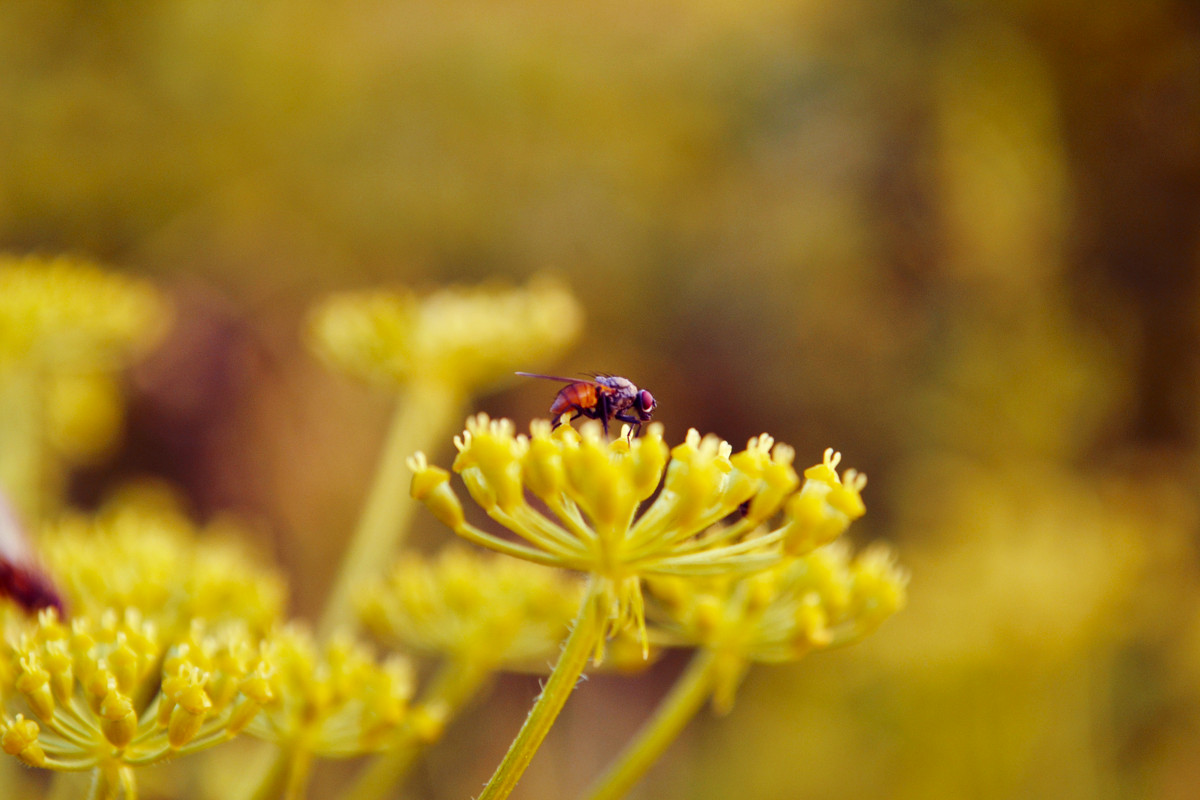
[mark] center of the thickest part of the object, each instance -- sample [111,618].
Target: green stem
[299,768]
[455,684]
[420,419]
[585,635]
[23,458]
[109,780]
[687,696]
[128,782]
[267,775]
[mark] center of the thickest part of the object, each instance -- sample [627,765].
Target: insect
[604,397]
[20,578]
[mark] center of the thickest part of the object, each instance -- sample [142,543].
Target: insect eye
[645,401]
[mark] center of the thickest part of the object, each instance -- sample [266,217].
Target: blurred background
[959,241]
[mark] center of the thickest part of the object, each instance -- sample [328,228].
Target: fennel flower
[824,599]
[623,511]
[334,700]
[145,555]
[469,338]
[66,313]
[107,694]
[66,327]
[592,490]
[473,608]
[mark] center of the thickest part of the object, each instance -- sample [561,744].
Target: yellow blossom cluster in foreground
[163,637]
[737,555]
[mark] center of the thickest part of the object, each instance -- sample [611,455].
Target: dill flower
[817,597]
[821,600]
[108,694]
[624,511]
[592,490]
[333,700]
[66,313]
[142,554]
[473,608]
[468,338]
[66,326]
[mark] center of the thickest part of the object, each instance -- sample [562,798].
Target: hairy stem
[585,635]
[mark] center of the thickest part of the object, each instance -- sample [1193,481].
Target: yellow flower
[142,553]
[593,490]
[474,608]
[334,701]
[466,338]
[821,600]
[65,313]
[108,693]
[825,506]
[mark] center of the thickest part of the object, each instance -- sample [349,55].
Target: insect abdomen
[573,396]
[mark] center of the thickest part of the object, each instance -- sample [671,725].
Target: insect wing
[556,378]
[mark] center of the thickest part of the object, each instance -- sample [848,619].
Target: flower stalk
[586,633]
[23,461]
[421,415]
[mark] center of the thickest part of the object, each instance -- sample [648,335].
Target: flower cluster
[168,637]
[66,328]
[737,555]
[594,488]
[332,700]
[109,692]
[142,553]
[66,313]
[474,608]
[459,337]
[825,598]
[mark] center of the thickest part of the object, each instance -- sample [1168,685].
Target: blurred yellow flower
[464,338]
[820,600]
[474,608]
[142,553]
[331,700]
[436,351]
[66,313]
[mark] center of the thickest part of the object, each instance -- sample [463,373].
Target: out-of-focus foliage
[959,239]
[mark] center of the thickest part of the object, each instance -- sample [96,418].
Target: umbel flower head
[68,314]
[467,338]
[823,599]
[333,700]
[474,608]
[109,693]
[591,491]
[140,552]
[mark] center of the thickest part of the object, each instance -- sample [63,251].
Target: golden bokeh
[959,240]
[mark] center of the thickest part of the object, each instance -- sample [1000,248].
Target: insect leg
[605,412]
[634,422]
